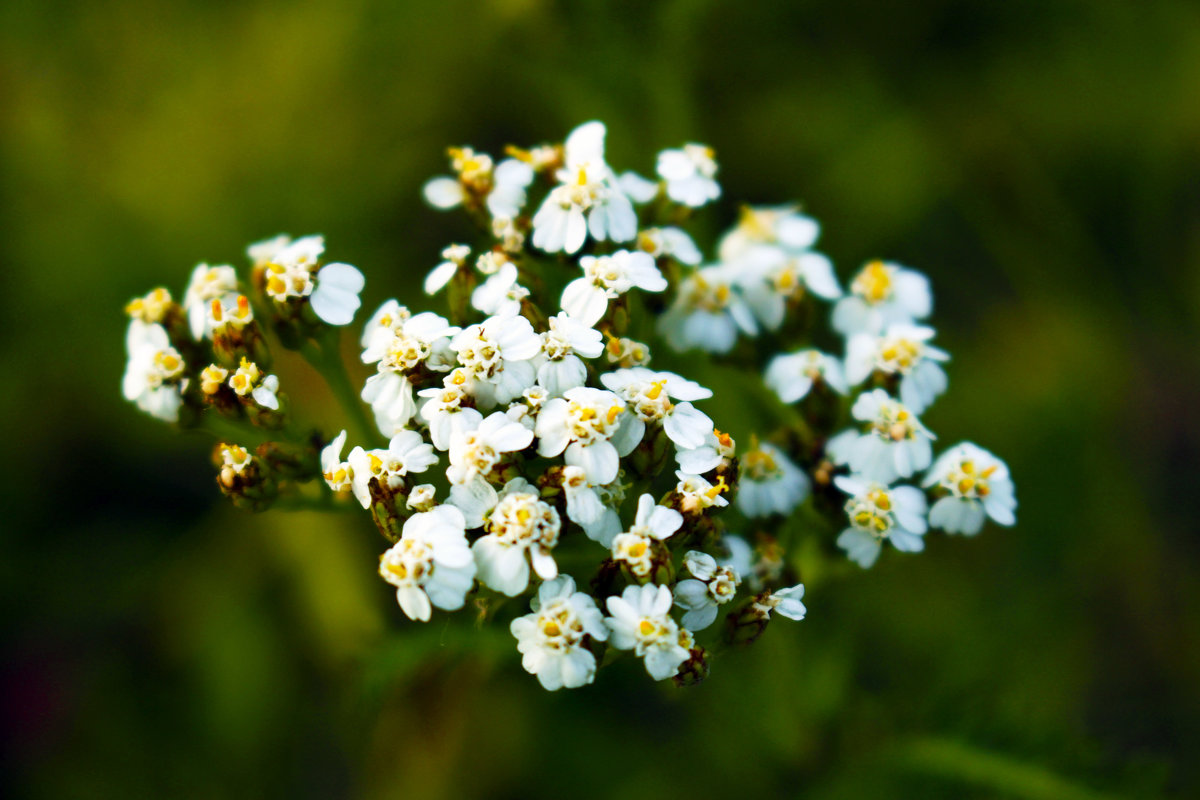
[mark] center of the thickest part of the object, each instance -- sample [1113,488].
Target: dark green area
[1039,160]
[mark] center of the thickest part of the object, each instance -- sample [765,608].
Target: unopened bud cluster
[522,443]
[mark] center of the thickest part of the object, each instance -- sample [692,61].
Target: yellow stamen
[717,488]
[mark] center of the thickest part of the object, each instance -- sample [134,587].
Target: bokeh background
[1039,160]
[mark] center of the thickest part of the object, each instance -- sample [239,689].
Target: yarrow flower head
[792,376]
[882,294]
[593,430]
[976,485]
[777,226]
[640,620]
[878,513]
[500,187]
[589,199]
[155,375]
[770,482]
[894,445]
[474,453]
[710,587]
[407,453]
[553,639]
[653,523]
[577,474]
[520,527]
[497,355]
[708,312]
[564,346]
[606,278]
[431,565]
[689,173]
[902,350]
[292,271]
[650,395]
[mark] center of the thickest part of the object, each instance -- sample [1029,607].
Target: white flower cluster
[533,416]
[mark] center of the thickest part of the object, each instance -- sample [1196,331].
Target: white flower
[697,494]
[502,188]
[407,453]
[649,394]
[626,352]
[593,508]
[225,315]
[390,396]
[474,452]
[206,285]
[551,639]
[770,483]
[669,242]
[250,380]
[154,373]
[640,190]
[773,225]
[877,512]
[289,270]
[447,410]
[707,313]
[640,621]
[689,174]
[431,564]
[606,278]
[266,393]
[716,448]
[591,428]
[510,236]
[261,252]
[521,526]
[509,182]
[455,256]
[562,345]
[500,293]
[152,308]
[791,376]
[902,350]
[335,298]
[337,473]
[710,587]
[978,484]
[212,378]
[771,277]
[882,294]
[385,319]
[235,457]
[401,342]
[526,412]
[496,354]
[653,523]
[589,199]
[895,444]
[422,497]
[785,601]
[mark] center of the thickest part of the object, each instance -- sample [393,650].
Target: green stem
[326,360]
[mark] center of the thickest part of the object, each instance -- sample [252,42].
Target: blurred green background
[1039,160]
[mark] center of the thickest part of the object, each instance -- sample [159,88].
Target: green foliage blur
[1040,160]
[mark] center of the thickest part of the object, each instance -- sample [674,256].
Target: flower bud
[243,478]
[387,516]
[694,670]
